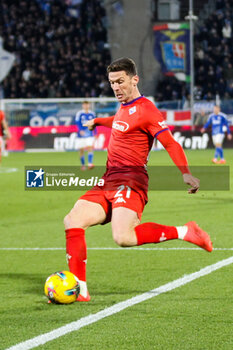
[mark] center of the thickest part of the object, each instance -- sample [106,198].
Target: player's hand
[202,130]
[90,124]
[194,182]
[229,136]
[8,135]
[82,133]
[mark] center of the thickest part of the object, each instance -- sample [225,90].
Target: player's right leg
[220,151]
[216,152]
[83,215]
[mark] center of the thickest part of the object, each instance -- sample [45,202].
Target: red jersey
[2,117]
[133,130]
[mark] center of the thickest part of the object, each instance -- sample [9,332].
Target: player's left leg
[124,221]
[127,231]
[90,157]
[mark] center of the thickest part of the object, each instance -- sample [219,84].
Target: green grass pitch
[197,316]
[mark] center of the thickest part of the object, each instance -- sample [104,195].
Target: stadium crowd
[60,47]
[213,60]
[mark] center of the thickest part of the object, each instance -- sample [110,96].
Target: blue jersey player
[86,137]
[219,124]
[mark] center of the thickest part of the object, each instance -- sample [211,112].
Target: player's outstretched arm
[178,156]
[202,130]
[91,124]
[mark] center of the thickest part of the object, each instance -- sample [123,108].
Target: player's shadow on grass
[217,198]
[25,283]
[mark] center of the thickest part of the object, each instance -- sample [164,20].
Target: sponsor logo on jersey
[120,200]
[121,126]
[163,124]
[132,110]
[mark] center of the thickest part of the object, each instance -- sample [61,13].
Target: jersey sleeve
[175,151]
[154,122]
[77,118]
[104,121]
[226,123]
[207,124]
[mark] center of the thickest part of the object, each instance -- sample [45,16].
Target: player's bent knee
[67,221]
[123,239]
[71,220]
[120,241]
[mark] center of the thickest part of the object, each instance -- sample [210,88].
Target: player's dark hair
[126,64]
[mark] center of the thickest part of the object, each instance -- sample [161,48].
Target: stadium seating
[213,60]
[60,48]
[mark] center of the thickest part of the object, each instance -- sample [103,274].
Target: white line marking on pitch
[85,321]
[113,248]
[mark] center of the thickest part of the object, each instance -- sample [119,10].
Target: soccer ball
[62,287]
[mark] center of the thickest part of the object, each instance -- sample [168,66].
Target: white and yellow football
[62,287]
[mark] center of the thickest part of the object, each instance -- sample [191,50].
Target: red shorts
[123,196]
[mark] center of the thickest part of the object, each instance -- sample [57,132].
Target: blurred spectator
[228,73]
[169,88]
[186,104]
[200,118]
[58,45]
[226,30]
[213,58]
[198,91]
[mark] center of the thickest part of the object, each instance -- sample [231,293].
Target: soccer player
[86,136]
[124,194]
[219,124]
[4,131]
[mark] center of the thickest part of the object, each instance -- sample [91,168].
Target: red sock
[76,250]
[150,232]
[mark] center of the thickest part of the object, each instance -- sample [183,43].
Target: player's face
[216,109]
[86,107]
[123,85]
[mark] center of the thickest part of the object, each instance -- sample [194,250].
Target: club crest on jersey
[132,110]
[163,124]
[121,126]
